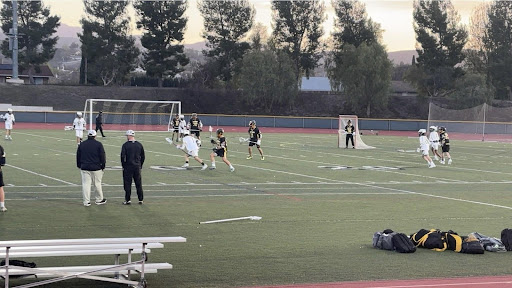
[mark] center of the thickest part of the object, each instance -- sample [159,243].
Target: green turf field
[317,223]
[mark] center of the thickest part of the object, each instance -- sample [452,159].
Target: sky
[395,17]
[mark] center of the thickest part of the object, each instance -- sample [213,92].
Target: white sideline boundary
[41,175]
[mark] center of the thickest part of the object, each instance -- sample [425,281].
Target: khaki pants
[94,178]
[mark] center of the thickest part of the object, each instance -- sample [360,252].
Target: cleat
[249,157]
[204,167]
[104,201]
[436,158]
[432,165]
[141,202]
[127,202]
[232,169]
[442,162]
[87,204]
[184,165]
[262,157]
[449,161]
[3,209]
[212,168]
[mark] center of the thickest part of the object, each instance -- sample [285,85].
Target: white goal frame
[358,141]
[89,108]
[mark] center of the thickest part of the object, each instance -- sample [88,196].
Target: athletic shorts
[424,152]
[2,184]
[195,133]
[435,146]
[219,152]
[79,133]
[252,142]
[446,148]
[193,153]
[8,125]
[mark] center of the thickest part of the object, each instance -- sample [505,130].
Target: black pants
[351,137]
[100,127]
[134,173]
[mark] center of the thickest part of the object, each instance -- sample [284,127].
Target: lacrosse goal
[358,141]
[138,115]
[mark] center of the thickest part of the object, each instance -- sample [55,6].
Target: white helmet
[9,110]
[186,132]
[422,131]
[182,116]
[433,128]
[79,114]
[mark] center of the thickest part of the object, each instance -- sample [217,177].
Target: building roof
[6,70]
[315,84]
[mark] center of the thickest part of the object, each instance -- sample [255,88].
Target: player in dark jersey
[221,150]
[350,134]
[175,127]
[445,145]
[254,139]
[195,125]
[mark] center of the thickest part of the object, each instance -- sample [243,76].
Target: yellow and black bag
[431,239]
[453,240]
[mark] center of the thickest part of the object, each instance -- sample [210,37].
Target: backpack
[19,263]
[471,245]
[402,243]
[431,239]
[453,240]
[490,244]
[506,238]
[383,240]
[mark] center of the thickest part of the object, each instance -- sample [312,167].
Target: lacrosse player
[424,143]
[175,127]
[195,125]
[254,139]
[79,127]
[434,142]
[182,127]
[445,145]
[9,122]
[221,150]
[191,148]
[349,128]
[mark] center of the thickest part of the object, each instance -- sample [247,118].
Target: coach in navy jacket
[132,159]
[91,159]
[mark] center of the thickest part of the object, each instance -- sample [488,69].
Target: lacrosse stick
[169,140]
[68,128]
[232,219]
[246,140]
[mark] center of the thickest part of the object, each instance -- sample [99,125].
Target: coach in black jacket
[132,159]
[90,158]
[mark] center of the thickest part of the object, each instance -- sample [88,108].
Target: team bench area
[116,273]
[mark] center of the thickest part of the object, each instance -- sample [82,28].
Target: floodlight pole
[15,79]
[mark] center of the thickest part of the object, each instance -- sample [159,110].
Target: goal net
[342,134]
[138,115]
[483,122]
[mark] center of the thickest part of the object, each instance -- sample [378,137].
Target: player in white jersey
[190,146]
[433,137]
[424,145]
[9,122]
[79,127]
[182,127]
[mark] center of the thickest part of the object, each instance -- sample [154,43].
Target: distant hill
[404,56]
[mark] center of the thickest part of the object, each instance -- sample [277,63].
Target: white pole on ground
[232,219]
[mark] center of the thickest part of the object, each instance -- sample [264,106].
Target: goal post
[138,115]
[358,141]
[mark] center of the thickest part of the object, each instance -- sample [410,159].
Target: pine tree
[164,25]
[108,52]
[36,26]
[297,31]
[225,25]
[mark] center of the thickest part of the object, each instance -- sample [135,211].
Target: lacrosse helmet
[182,116]
[79,114]
[194,115]
[442,129]
[422,132]
[186,132]
[9,110]
[220,131]
[252,122]
[432,128]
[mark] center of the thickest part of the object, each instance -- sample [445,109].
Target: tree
[225,25]
[297,30]
[472,90]
[498,43]
[440,40]
[108,52]
[258,36]
[36,46]
[164,25]
[267,78]
[476,50]
[365,77]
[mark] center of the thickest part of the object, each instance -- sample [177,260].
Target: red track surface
[470,282]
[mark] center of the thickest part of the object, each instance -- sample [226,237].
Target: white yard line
[41,175]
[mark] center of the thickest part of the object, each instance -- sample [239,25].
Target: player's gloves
[258,142]
[213,141]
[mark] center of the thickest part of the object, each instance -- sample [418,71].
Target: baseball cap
[130,133]
[91,133]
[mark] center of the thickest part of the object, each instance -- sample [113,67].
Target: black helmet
[442,128]
[220,131]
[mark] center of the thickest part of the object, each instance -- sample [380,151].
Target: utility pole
[14,38]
